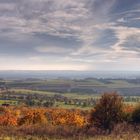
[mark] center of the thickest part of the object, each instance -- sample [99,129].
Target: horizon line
[75,70]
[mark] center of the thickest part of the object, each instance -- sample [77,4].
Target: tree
[108,111]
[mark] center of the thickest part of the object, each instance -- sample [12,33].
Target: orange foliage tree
[33,116]
[8,118]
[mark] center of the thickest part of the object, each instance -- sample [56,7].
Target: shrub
[136,114]
[108,111]
[33,116]
[8,118]
[66,117]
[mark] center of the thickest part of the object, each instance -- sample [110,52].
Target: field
[66,93]
[83,86]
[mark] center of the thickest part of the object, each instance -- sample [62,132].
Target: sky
[70,35]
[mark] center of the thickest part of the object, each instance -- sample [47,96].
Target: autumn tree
[108,111]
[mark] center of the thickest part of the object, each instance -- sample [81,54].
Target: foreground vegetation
[131,135]
[109,119]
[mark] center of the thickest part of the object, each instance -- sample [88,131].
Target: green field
[28,91]
[11,102]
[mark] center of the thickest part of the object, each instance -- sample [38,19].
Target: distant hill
[69,74]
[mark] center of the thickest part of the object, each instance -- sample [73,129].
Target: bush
[33,116]
[108,111]
[136,114]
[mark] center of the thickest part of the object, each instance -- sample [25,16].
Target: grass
[69,95]
[121,84]
[62,105]
[81,96]
[28,91]
[132,136]
[11,102]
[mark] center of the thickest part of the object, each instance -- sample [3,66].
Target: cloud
[124,34]
[59,18]
[95,32]
[53,49]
